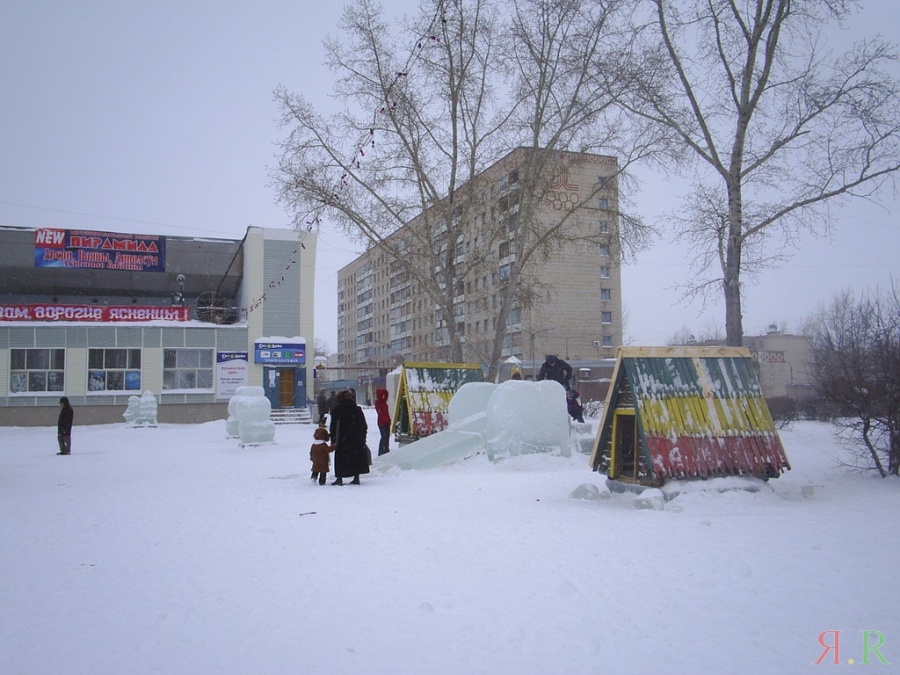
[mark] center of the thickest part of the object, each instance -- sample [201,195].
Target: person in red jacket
[384,420]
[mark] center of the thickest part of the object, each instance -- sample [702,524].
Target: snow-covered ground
[174,550]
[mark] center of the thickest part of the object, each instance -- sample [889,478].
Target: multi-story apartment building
[573,307]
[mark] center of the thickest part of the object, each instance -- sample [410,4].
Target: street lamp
[533,335]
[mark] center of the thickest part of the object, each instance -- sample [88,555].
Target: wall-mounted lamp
[178,296]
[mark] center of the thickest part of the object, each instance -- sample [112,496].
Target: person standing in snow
[574,406]
[322,406]
[348,438]
[64,427]
[384,420]
[556,369]
[319,454]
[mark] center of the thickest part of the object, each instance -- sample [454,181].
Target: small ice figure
[142,410]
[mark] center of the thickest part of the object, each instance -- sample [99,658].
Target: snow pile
[141,410]
[173,550]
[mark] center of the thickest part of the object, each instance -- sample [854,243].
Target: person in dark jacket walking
[554,368]
[348,436]
[322,406]
[384,420]
[64,427]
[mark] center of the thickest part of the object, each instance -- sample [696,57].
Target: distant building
[100,316]
[383,317]
[783,363]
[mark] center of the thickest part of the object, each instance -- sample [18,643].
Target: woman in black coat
[348,436]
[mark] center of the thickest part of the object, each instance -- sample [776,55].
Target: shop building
[99,317]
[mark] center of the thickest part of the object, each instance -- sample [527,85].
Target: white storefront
[184,321]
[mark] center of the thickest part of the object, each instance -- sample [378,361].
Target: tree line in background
[855,365]
[856,355]
[773,122]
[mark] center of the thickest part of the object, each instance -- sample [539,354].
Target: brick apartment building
[576,311]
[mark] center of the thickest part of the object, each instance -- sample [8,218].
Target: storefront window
[114,370]
[37,370]
[187,369]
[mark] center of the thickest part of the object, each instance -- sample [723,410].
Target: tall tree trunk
[873,451]
[506,300]
[734,327]
[894,459]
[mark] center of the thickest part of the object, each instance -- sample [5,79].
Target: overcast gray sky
[159,118]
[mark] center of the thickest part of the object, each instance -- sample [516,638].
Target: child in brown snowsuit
[318,453]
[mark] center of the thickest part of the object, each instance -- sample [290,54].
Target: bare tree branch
[785,126]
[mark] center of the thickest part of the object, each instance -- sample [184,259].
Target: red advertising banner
[87,249]
[97,313]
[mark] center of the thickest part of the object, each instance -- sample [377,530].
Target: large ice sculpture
[248,416]
[515,417]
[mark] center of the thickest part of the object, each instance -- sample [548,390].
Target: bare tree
[856,349]
[424,126]
[707,335]
[786,127]
[682,336]
[320,347]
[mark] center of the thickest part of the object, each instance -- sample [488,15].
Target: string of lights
[429,36]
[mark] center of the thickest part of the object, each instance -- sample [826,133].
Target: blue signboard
[285,353]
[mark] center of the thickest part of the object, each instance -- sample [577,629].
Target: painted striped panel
[703,416]
[428,388]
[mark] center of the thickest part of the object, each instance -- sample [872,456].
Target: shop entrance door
[286,387]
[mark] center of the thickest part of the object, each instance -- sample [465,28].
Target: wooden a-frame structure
[686,412]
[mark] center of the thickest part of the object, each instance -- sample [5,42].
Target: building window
[604,271]
[187,369]
[604,250]
[37,370]
[114,370]
[603,203]
[607,340]
[604,227]
[605,317]
[504,271]
[605,294]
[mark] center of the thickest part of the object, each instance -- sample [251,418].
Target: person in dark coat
[322,406]
[554,368]
[348,437]
[384,420]
[574,406]
[64,427]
